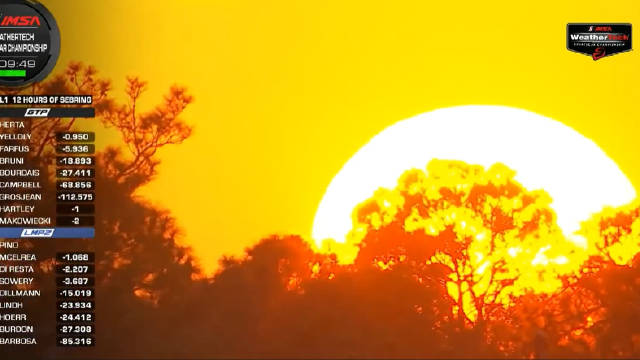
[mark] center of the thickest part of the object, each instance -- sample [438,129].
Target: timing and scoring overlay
[37,214]
[29,42]
[39,218]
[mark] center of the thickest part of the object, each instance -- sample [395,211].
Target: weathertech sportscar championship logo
[599,40]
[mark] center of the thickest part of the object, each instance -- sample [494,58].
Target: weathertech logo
[599,40]
[20,21]
[37,112]
[37,233]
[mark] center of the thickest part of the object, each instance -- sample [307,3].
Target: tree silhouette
[613,233]
[484,227]
[145,133]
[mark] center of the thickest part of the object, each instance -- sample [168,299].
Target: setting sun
[580,178]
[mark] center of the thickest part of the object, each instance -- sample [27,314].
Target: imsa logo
[46,233]
[37,112]
[20,21]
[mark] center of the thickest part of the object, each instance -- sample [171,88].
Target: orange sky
[287,91]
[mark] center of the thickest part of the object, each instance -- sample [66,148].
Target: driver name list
[20,199]
[34,211]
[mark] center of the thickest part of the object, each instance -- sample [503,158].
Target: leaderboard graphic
[319,180]
[29,48]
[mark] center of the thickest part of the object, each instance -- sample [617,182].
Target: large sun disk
[545,154]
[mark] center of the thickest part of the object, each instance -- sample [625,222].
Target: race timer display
[29,42]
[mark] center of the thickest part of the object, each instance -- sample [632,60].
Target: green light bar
[13,73]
